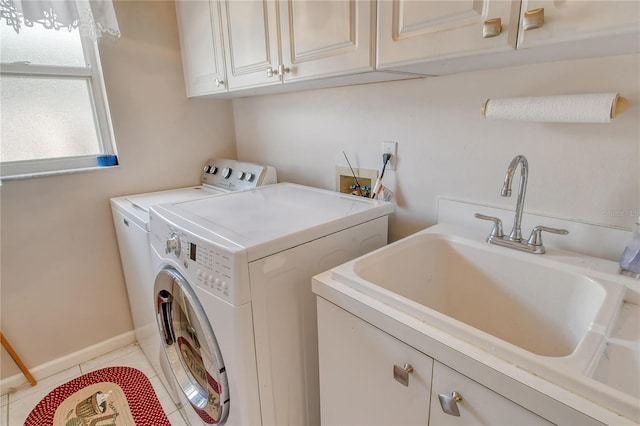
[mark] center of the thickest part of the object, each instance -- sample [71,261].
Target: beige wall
[587,172]
[62,285]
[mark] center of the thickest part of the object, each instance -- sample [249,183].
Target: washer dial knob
[173,245]
[226,172]
[241,175]
[249,177]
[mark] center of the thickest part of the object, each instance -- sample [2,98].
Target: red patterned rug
[121,396]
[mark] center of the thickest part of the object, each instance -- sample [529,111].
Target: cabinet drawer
[478,406]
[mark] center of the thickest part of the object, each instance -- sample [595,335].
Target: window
[53,105]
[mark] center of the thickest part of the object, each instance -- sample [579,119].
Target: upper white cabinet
[442,37]
[245,47]
[270,42]
[545,22]
[327,38]
[251,42]
[412,31]
[201,47]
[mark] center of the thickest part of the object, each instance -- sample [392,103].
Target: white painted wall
[586,172]
[62,284]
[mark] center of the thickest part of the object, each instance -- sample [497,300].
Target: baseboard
[57,365]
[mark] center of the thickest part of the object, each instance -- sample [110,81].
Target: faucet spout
[516,232]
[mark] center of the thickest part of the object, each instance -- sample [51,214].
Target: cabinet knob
[533,19]
[449,404]
[281,70]
[219,82]
[401,374]
[492,28]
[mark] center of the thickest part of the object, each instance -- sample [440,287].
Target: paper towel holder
[618,105]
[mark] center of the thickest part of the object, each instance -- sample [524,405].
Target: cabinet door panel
[479,405]
[251,41]
[357,385]
[201,47]
[566,21]
[412,31]
[326,38]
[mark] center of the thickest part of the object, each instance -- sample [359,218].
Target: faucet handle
[497,225]
[535,239]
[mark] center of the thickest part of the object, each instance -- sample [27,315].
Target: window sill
[55,173]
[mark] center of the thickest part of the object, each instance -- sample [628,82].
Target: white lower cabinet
[362,370]
[357,385]
[477,405]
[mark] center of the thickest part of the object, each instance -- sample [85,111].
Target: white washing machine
[131,219]
[233,296]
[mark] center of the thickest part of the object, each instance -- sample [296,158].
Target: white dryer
[233,296]
[131,219]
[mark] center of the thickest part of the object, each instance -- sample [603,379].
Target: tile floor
[16,406]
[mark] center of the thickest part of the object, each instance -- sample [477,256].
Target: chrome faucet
[516,232]
[514,240]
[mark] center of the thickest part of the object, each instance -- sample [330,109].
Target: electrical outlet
[390,148]
[346,183]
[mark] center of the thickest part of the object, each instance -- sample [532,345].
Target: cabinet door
[326,38]
[569,21]
[478,406]
[412,31]
[201,46]
[357,385]
[250,29]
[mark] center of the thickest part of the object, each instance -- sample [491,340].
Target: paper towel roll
[583,108]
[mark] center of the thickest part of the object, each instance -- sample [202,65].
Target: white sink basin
[519,306]
[532,306]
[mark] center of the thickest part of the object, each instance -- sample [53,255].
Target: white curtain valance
[93,18]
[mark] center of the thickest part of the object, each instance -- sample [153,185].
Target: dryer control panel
[235,175]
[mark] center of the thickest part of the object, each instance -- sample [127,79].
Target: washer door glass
[191,347]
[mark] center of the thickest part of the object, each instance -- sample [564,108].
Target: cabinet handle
[533,19]
[219,82]
[401,374]
[281,70]
[449,404]
[492,28]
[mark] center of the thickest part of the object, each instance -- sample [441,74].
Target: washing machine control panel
[213,269]
[203,264]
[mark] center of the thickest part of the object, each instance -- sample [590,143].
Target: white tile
[20,409]
[121,358]
[4,414]
[163,396]
[44,386]
[176,419]
[108,359]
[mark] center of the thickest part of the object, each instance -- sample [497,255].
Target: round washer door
[191,347]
